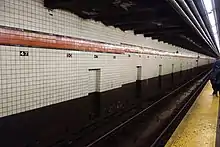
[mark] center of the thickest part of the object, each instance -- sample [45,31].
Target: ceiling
[152,18]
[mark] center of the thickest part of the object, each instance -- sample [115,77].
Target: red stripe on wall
[11,36]
[23,38]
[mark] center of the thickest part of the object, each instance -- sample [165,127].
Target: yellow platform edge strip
[199,126]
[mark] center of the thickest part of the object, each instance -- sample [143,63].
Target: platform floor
[199,126]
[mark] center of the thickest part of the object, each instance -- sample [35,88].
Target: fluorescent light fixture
[213,22]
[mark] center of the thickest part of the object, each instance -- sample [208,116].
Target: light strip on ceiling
[210,10]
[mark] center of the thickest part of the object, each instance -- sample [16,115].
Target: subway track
[148,128]
[150,123]
[191,95]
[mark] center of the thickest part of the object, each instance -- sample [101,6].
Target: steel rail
[155,143]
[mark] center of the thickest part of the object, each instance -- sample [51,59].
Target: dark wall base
[44,126]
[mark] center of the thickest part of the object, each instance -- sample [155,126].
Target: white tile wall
[47,76]
[44,77]
[92,81]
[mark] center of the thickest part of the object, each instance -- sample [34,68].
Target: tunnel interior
[73,70]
